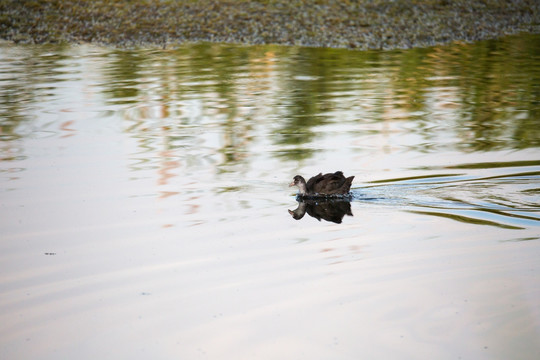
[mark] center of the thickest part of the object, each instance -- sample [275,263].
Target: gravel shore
[362,24]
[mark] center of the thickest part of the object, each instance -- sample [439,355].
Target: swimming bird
[327,185]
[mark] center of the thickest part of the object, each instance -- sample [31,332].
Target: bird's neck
[302,188]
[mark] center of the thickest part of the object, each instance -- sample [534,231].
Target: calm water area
[145,211]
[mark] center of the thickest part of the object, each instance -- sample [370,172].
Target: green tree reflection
[486,95]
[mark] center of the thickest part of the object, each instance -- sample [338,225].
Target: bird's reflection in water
[329,210]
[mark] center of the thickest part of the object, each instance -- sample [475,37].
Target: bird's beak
[291,184]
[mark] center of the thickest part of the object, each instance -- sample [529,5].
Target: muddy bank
[362,24]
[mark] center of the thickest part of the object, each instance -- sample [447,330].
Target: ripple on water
[508,198]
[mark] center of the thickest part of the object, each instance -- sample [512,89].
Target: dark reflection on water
[330,210]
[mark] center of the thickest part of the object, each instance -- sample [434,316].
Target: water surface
[145,213]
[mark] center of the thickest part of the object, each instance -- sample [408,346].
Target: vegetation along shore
[362,24]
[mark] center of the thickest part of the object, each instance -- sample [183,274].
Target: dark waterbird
[327,185]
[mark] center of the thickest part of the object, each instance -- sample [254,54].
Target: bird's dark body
[327,185]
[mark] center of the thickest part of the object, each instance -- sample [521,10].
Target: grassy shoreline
[362,24]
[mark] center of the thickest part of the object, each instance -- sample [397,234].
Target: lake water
[145,211]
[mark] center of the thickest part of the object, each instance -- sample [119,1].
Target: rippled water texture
[145,210]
